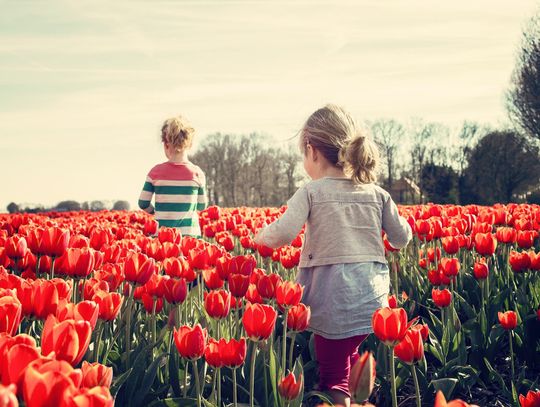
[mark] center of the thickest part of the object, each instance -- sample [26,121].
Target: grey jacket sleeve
[283,230]
[398,231]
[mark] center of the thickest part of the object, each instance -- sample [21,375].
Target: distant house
[405,191]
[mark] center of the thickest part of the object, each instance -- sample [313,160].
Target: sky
[85,86]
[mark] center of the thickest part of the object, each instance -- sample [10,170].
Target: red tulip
[172,235]
[266,285]
[362,378]
[233,352]
[441,298]
[411,349]
[392,301]
[175,290]
[10,313]
[288,294]
[450,266]
[212,354]
[390,325]
[535,260]
[218,303]
[68,339]
[525,238]
[96,374]
[238,284]
[532,399]
[480,270]
[82,311]
[45,298]
[54,241]
[76,262]
[16,357]
[298,318]
[508,319]
[259,321]
[178,267]
[45,389]
[138,268]
[440,401]
[253,296]
[109,304]
[190,342]
[152,304]
[485,244]
[519,261]
[289,388]
[98,396]
[506,235]
[212,279]
[450,244]
[264,251]
[16,247]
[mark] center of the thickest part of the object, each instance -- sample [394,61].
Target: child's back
[179,185]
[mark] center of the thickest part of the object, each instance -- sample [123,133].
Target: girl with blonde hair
[178,184]
[342,265]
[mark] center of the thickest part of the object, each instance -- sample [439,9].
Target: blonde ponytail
[177,132]
[361,160]
[335,133]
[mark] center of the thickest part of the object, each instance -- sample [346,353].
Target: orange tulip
[390,325]
[10,312]
[96,374]
[45,389]
[68,339]
[190,342]
[289,388]
[98,396]
[485,244]
[138,268]
[82,311]
[218,303]
[508,319]
[532,399]
[298,318]
[288,294]
[109,304]
[259,321]
[362,377]
[411,349]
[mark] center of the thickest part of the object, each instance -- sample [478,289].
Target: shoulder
[157,170]
[381,192]
[197,173]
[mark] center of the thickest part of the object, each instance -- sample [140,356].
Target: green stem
[52,266]
[218,371]
[284,344]
[128,323]
[154,305]
[416,387]
[291,350]
[98,341]
[393,377]
[197,383]
[511,354]
[235,392]
[252,376]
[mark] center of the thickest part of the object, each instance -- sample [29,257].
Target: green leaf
[149,377]
[119,381]
[445,385]
[174,377]
[274,374]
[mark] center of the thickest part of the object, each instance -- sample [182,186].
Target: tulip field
[103,308]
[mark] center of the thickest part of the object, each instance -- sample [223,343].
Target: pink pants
[335,357]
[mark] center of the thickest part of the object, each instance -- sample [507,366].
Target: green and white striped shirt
[180,191]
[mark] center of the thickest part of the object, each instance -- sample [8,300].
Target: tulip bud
[362,377]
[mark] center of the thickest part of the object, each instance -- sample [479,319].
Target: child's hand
[150,209]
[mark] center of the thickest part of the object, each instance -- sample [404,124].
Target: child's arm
[202,198]
[398,231]
[286,228]
[146,196]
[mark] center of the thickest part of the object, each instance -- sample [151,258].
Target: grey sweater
[344,223]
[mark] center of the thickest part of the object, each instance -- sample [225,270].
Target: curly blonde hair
[337,136]
[177,132]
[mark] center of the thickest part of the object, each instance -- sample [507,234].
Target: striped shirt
[180,190]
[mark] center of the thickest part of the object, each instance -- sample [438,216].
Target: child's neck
[178,157]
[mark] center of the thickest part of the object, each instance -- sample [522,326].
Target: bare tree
[523,99]
[389,134]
